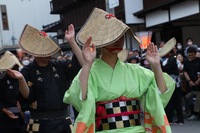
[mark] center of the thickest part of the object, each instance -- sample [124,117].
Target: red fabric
[44,33]
[122,98]
[110,15]
[101,110]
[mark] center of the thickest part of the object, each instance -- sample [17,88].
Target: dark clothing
[8,98]
[180,52]
[192,68]
[175,102]
[47,88]
[48,84]
[171,66]
[8,92]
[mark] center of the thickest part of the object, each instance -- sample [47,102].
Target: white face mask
[189,43]
[25,62]
[179,47]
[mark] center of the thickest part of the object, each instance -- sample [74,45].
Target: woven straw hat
[8,61]
[36,43]
[104,29]
[167,47]
[123,55]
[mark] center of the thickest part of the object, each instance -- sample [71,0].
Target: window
[4,17]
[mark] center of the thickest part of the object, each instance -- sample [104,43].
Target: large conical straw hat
[167,47]
[104,29]
[36,43]
[8,61]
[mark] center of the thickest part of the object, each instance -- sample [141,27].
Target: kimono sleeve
[148,80]
[86,117]
[154,103]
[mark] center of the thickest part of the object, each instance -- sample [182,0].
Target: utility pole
[110,11]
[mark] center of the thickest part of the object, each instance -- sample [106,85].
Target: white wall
[157,17]
[20,12]
[184,9]
[193,32]
[132,6]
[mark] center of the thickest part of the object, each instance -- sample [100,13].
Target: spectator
[180,49]
[25,60]
[189,42]
[60,58]
[135,52]
[133,60]
[198,53]
[130,53]
[191,68]
[170,67]
[160,45]
[32,58]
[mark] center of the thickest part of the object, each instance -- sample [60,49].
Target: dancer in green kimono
[106,91]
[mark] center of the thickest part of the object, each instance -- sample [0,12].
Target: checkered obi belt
[118,113]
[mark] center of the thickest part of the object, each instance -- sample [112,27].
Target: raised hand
[14,74]
[152,55]
[89,54]
[69,34]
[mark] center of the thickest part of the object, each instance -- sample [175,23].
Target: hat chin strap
[113,49]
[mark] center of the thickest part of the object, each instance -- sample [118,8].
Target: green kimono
[128,80]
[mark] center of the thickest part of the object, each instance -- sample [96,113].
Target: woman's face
[134,61]
[189,42]
[115,47]
[180,58]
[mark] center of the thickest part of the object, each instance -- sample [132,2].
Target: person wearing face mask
[25,60]
[180,49]
[189,42]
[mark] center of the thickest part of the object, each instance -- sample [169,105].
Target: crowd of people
[183,65]
[36,91]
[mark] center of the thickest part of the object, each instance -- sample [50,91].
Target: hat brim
[167,47]
[34,43]
[103,31]
[8,61]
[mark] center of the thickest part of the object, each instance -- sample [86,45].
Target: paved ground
[188,127]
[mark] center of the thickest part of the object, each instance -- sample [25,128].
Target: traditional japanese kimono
[127,80]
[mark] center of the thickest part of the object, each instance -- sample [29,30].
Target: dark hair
[192,50]
[161,42]
[189,38]
[25,56]
[133,57]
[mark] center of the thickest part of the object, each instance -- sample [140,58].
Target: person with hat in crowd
[136,52]
[43,83]
[170,67]
[9,95]
[110,88]
[133,60]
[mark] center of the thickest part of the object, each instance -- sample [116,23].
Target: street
[188,127]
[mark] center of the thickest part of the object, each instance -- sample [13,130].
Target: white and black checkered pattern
[120,121]
[13,109]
